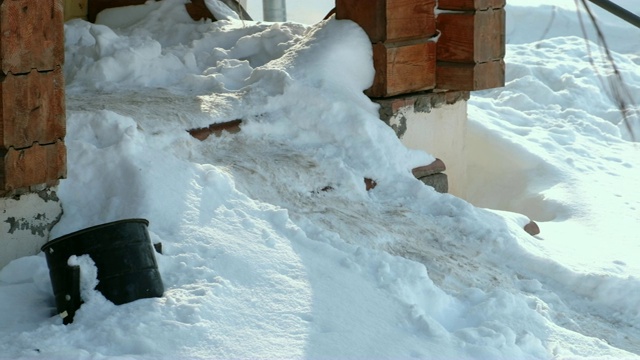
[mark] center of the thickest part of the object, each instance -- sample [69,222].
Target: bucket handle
[74,293]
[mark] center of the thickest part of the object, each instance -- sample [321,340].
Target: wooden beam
[31,108]
[390,20]
[403,68]
[469,76]
[31,35]
[38,164]
[471,36]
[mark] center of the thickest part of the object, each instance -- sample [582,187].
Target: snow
[272,246]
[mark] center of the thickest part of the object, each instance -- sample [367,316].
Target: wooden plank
[369,14]
[471,4]
[469,76]
[410,19]
[31,35]
[75,9]
[31,108]
[201,134]
[471,36]
[390,20]
[403,68]
[39,164]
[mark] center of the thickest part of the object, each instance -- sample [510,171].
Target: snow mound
[272,247]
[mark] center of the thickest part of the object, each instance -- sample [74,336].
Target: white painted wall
[25,222]
[441,133]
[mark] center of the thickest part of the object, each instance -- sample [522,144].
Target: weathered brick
[39,164]
[470,4]
[472,36]
[31,35]
[403,68]
[420,102]
[31,108]
[390,20]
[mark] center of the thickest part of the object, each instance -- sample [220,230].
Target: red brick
[39,164]
[31,35]
[470,77]
[400,102]
[31,108]
[470,4]
[403,68]
[435,167]
[390,20]
[471,37]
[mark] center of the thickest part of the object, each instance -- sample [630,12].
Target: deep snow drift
[272,246]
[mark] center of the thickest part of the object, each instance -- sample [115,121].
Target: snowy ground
[272,246]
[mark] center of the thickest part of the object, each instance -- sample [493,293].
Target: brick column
[32,110]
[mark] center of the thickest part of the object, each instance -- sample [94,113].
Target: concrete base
[435,122]
[25,223]
[439,182]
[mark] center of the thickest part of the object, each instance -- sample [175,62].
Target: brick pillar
[32,110]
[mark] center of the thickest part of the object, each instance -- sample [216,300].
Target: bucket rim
[50,243]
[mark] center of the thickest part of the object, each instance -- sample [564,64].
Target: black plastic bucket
[123,254]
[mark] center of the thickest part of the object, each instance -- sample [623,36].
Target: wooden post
[32,35]
[471,47]
[38,164]
[403,68]
[402,32]
[32,111]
